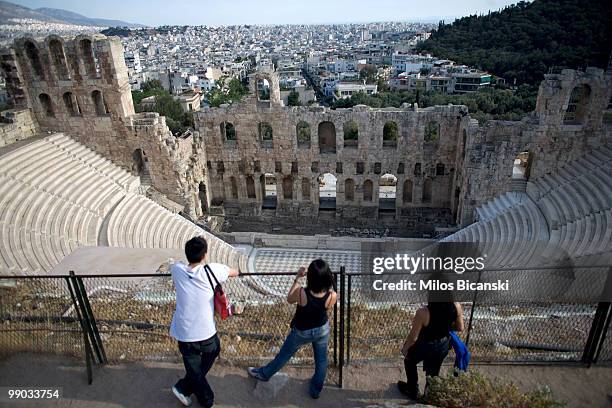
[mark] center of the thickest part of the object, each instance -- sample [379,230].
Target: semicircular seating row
[55,194]
[566,214]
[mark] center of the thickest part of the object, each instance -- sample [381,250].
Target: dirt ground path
[148,384]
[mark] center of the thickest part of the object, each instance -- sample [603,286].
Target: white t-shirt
[193,318]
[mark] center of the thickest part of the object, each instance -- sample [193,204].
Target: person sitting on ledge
[428,340]
[193,323]
[310,324]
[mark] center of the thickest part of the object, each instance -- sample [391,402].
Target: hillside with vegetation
[522,42]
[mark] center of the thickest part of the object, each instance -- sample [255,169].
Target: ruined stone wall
[80,87]
[16,125]
[548,134]
[409,158]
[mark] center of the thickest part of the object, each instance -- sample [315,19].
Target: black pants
[432,354]
[198,357]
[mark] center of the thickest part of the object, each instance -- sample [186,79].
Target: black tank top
[442,315]
[313,314]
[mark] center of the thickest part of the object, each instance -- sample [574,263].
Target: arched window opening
[265,134]
[464,145]
[351,134]
[47,105]
[439,169]
[302,131]
[368,188]
[288,188]
[426,196]
[387,190]
[89,58]
[390,134]
[234,187]
[71,104]
[34,59]
[522,166]
[306,189]
[58,58]
[349,190]
[228,132]
[99,104]
[327,192]
[431,132]
[327,137]
[263,89]
[250,187]
[577,106]
[140,166]
[407,192]
[268,191]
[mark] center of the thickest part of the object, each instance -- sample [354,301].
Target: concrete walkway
[148,384]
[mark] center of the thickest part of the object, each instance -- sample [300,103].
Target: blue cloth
[319,337]
[462,354]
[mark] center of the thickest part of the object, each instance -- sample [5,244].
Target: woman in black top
[309,324]
[428,341]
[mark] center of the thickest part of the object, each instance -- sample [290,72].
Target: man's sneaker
[404,389]
[256,373]
[185,400]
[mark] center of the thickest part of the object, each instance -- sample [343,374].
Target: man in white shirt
[193,323]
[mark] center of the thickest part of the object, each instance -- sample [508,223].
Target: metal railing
[124,318]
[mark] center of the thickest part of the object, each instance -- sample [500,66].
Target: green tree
[293,99]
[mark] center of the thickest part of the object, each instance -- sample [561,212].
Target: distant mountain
[14,11]
[79,19]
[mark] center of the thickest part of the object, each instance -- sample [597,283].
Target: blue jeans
[318,337]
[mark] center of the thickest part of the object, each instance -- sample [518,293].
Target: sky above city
[227,12]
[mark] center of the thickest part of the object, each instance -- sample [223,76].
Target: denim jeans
[318,337]
[432,354]
[198,358]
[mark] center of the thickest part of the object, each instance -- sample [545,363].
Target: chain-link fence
[133,314]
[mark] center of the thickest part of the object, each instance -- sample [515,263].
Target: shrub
[472,389]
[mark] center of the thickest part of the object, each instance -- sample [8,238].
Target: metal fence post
[336,324]
[87,346]
[598,331]
[97,339]
[348,319]
[341,329]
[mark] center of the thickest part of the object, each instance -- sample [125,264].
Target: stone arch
[71,104]
[265,134]
[306,189]
[521,168]
[327,137]
[250,187]
[387,192]
[327,191]
[427,191]
[407,191]
[390,134]
[577,106]
[228,131]
[33,55]
[302,133]
[88,57]
[350,130]
[288,188]
[233,188]
[349,189]
[58,58]
[268,190]
[99,104]
[368,189]
[431,133]
[46,104]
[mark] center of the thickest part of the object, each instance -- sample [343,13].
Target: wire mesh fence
[133,314]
